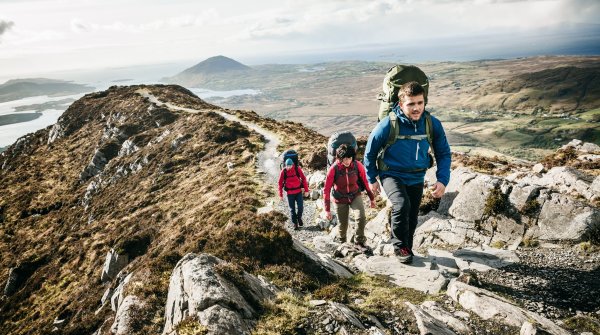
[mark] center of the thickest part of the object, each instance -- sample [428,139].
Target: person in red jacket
[348,178]
[292,180]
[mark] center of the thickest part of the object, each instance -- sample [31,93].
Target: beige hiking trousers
[343,212]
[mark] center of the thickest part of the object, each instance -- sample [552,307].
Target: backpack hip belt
[338,195]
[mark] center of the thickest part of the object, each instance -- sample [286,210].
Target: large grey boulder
[377,230]
[324,260]
[579,145]
[125,314]
[469,204]
[564,218]
[481,258]
[433,309]
[113,264]
[197,290]
[440,231]
[427,324]
[458,178]
[563,179]
[490,306]
[504,231]
[484,258]
[316,179]
[522,193]
[117,297]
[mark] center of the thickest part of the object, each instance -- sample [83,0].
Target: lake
[41,111]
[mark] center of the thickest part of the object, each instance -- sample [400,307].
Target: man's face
[413,107]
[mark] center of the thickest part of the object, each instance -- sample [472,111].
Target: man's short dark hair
[410,89]
[345,151]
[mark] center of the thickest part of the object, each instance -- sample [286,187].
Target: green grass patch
[282,315]
[496,203]
[592,115]
[581,324]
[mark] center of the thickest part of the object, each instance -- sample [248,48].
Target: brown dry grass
[182,200]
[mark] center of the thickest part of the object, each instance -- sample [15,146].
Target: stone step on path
[419,275]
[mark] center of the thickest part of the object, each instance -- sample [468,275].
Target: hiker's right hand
[328,216]
[375,188]
[281,198]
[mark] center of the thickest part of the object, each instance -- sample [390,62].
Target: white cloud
[160,30]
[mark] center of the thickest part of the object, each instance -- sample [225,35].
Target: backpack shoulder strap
[394,129]
[392,136]
[337,171]
[429,130]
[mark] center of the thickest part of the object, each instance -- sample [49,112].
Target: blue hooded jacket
[406,155]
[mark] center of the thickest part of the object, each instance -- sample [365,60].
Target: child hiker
[292,180]
[348,179]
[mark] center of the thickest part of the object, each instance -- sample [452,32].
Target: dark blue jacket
[406,155]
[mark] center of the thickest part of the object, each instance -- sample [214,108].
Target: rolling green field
[524,108]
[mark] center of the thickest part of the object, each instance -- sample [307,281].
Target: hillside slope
[118,172]
[137,213]
[21,88]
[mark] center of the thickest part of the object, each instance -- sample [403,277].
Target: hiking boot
[404,255]
[296,227]
[339,240]
[300,223]
[361,242]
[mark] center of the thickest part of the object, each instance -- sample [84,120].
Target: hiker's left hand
[306,194]
[438,190]
[373,205]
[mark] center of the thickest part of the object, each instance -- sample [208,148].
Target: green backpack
[396,77]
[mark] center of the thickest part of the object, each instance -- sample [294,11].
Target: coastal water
[23,116]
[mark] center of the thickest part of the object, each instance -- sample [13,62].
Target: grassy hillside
[23,88]
[171,196]
[525,107]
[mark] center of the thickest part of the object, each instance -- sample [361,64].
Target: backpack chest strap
[412,137]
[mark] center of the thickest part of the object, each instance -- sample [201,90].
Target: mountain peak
[216,64]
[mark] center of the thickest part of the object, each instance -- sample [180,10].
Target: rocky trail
[544,286]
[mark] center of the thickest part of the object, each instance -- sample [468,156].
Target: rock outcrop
[197,290]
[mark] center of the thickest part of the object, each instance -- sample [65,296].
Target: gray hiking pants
[343,212]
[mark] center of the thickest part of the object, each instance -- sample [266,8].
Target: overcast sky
[48,35]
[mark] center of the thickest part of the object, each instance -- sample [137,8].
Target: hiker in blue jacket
[400,162]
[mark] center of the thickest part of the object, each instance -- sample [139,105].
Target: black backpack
[337,139]
[293,155]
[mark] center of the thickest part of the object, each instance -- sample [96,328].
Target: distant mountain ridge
[15,89]
[215,65]
[219,68]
